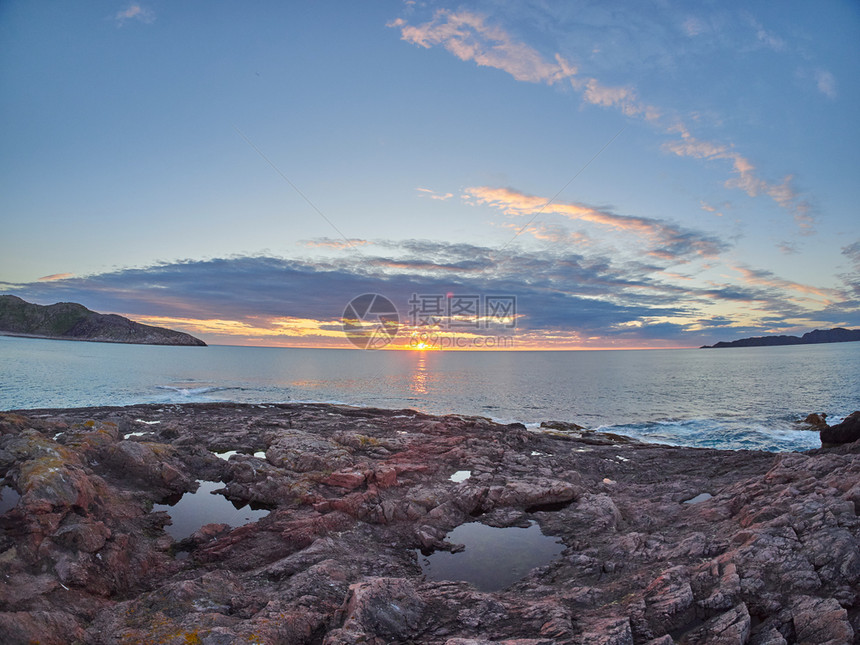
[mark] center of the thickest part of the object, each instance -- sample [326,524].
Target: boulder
[818,421]
[564,426]
[846,432]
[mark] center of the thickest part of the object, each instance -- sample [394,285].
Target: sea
[737,398]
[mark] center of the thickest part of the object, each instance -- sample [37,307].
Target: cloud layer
[566,297]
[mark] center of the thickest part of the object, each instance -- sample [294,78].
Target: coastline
[355,494]
[13,334]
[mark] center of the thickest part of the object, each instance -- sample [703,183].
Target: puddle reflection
[192,510]
[494,558]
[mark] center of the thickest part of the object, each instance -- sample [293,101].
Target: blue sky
[637,174]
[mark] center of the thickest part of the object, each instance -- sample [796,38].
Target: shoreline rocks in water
[772,556]
[848,431]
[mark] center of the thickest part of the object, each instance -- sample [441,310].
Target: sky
[619,175]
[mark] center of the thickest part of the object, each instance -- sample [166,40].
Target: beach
[355,508]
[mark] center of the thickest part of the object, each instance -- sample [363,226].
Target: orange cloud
[432,194]
[286,326]
[469,37]
[670,241]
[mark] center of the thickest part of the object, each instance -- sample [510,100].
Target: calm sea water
[729,398]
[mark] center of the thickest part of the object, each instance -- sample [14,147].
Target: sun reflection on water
[418,380]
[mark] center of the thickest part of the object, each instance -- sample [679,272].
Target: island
[837,335]
[72,321]
[651,544]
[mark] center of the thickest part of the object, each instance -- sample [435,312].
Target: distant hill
[837,335]
[71,321]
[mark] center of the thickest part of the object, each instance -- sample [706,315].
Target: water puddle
[493,558]
[192,510]
[8,499]
[460,476]
[701,497]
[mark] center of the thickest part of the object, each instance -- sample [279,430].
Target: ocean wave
[197,393]
[720,433]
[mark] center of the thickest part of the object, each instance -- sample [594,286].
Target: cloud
[693,27]
[624,98]
[710,209]
[332,243]
[468,36]
[55,276]
[135,12]
[558,292]
[789,248]
[668,241]
[826,83]
[768,279]
[432,194]
[744,178]
[565,294]
[852,252]
[763,36]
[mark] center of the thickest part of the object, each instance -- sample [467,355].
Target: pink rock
[386,477]
[345,479]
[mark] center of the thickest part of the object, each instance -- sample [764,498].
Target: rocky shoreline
[661,545]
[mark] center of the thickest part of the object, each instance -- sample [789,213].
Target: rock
[663,640]
[730,628]
[43,627]
[669,601]
[820,621]
[815,420]
[846,432]
[564,426]
[383,609]
[611,631]
[349,480]
[355,495]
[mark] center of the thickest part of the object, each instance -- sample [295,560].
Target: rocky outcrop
[836,335]
[355,495]
[815,420]
[71,321]
[848,431]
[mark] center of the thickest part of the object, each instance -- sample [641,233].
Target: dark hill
[837,335]
[71,321]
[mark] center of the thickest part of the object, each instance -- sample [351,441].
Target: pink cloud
[56,276]
[669,242]
[468,36]
[135,12]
